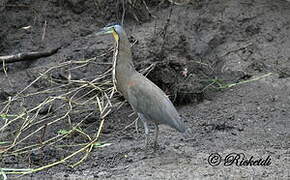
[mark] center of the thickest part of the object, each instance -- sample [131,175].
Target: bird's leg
[142,118]
[137,122]
[146,133]
[156,136]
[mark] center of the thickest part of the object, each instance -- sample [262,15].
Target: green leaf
[62,131]
[3,142]
[100,144]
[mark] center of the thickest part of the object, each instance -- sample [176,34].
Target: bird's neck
[124,52]
[123,64]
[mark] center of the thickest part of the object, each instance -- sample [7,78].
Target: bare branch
[27,56]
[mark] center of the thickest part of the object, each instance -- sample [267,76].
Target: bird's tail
[179,125]
[188,133]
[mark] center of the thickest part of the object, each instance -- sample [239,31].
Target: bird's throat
[123,67]
[116,36]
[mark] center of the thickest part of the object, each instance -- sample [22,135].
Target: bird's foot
[146,142]
[156,146]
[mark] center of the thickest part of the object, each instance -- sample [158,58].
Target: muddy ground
[197,48]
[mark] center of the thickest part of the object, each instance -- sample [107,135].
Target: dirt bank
[197,49]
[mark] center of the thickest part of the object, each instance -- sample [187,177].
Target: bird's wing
[147,98]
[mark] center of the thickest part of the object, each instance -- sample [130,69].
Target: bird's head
[114,29]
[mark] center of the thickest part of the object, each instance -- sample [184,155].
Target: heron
[149,102]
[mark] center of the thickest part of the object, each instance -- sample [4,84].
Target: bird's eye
[112,24]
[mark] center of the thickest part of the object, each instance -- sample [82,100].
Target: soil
[199,50]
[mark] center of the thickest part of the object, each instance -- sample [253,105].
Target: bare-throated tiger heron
[147,99]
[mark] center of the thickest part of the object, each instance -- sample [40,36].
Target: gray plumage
[148,100]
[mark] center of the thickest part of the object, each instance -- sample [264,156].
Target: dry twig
[66,99]
[27,56]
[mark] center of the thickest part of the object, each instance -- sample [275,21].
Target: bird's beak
[104,31]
